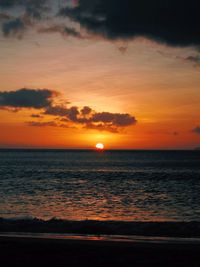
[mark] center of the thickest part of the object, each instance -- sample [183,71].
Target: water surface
[113,185]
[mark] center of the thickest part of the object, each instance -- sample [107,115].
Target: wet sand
[27,251]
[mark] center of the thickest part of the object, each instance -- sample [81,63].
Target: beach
[29,251]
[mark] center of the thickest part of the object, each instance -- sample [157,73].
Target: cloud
[116,119]
[65,116]
[173,21]
[4,16]
[36,8]
[48,124]
[42,124]
[86,110]
[36,116]
[32,8]
[56,110]
[31,12]
[10,3]
[194,59]
[92,119]
[102,127]
[123,49]
[62,29]
[27,98]
[15,27]
[71,114]
[196,130]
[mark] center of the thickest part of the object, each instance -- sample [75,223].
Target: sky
[121,72]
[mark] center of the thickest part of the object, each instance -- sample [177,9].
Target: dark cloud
[15,27]
[10,3]
[116,119]
[42,124]
[123,49]
[36,116]
[27,98]
[47,124]
[44,100]
[36,8]
[32,11]
[56,110]
[70,114]
[102,127]
[62,29]
[32,8]
[194,59]
[102,121]
[175,22]
[196,130]
[4,16]
[93,119]
[86,110]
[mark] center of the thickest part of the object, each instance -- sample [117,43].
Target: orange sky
[152,82]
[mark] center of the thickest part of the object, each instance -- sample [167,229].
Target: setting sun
[100,146]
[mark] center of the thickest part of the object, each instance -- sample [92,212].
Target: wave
[54,225]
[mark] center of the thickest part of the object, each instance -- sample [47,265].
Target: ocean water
[109,185]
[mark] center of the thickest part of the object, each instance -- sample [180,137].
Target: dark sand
[19,251]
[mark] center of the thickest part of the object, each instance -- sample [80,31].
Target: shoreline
[134,239]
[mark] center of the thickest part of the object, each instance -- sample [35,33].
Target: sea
[118,185]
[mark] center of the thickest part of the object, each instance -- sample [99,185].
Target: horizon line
[94,149]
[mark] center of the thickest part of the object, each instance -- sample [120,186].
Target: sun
[100,146]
